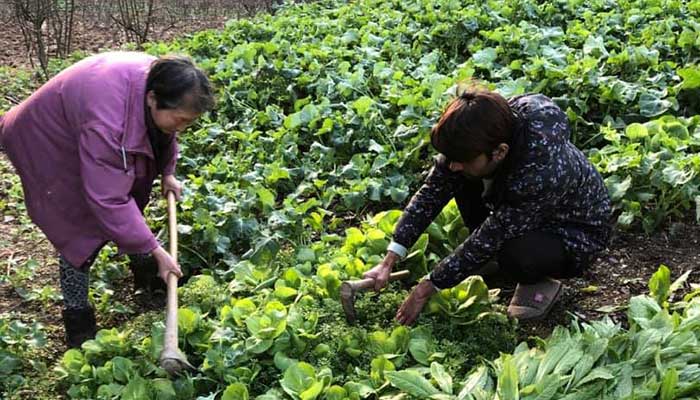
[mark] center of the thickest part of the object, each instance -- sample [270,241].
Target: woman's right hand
[166,264]
[380,273]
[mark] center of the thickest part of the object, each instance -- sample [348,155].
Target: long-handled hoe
[171,358]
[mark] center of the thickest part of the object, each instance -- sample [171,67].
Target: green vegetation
[324,111]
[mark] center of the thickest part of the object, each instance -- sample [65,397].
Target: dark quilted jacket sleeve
[438,189]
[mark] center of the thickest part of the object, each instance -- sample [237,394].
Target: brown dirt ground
[620,273]
[94,37]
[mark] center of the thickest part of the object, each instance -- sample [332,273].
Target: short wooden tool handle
[369,282]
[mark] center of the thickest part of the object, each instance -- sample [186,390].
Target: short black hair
[177,83]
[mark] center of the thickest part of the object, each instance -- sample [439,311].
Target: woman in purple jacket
[87,146]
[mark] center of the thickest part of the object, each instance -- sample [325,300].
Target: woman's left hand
[414,303]
[171,184]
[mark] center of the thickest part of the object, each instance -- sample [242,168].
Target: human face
[481,166]
[170,121]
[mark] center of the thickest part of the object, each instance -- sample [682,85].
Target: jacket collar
[135,132]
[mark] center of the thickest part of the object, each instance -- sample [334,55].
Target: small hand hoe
[349,288]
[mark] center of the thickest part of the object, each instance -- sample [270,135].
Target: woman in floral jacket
[531,199]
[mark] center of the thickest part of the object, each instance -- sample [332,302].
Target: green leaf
[122,369]
[386,220]
[235,391]
[312,392]
[485,58]
[570,359]
[400,337]
[72,362]
[276,173]
[361,389]
[508,380]
[618,188]
[678,283]
[164,389]
[477,381]
[668,385]
[598,373]
[380,343]
[268,323]
[305,254]
[362,105]
[419,350]
[336,392]
[10,363]
[412,383]
[691,77]
[379,366]
[113,390]
[354,237]
[282,362]
[651,105]
[242,309]
[595,46]
[441,376]
[636,131]
[625,386]
[187,320]
[301,118]
[300,382]
[256,345]
[136,389]
[643,309]
[660,284]
[267,198]
[284,292]
[547,388]
[675,175]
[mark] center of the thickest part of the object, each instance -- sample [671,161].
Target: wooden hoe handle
[171,358]
[171,308]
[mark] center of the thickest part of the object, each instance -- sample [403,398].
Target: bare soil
[619,274]
[92,37]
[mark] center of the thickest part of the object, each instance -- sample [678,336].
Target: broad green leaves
[412,383]
[235,391]
[601,360]
[464,302]
[269,322]
[301,382]
[691,77]
[324,116]
[651,169]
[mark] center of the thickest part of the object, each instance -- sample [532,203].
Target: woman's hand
[380,273]
[171,184]
[414,303]
[166,264]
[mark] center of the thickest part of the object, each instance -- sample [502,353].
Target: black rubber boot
[80,326]
[145,270]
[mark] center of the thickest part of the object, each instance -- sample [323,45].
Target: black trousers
[526,259]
